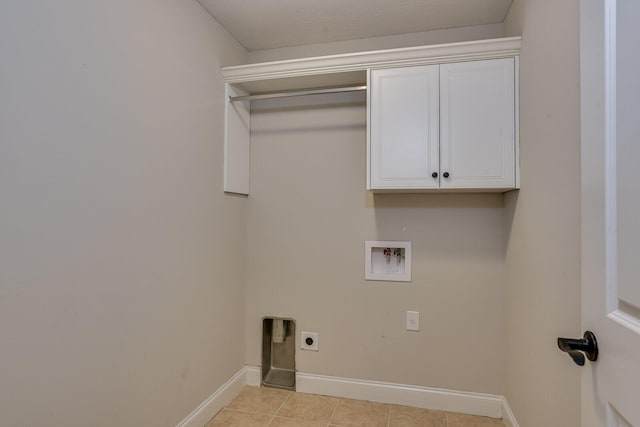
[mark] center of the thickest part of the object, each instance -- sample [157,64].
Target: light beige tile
[461,420]
[231,418]
[295,422]
[261,400]
[308,407]
[405,416]
[360,413]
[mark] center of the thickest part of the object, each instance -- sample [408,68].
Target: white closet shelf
[350,68]
[323,72]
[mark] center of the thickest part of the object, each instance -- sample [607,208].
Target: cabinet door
[403,139]
[477,141]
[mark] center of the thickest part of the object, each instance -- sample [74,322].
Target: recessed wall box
[279,353]
[387,260]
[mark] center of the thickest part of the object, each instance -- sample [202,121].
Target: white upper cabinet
[477,132]
[404,127]
[439,127]
[431,110]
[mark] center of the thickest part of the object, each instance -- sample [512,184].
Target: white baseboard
[253,376]
[507,415]
[487,405]
[214,403]
[421,397]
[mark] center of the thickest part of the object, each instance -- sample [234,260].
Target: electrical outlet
[413,320]
[309,341]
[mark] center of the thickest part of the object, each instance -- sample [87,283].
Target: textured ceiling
[265,24]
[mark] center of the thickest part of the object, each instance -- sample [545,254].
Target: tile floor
[262,407]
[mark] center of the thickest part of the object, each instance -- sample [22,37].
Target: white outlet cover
[314,341]
[413,320]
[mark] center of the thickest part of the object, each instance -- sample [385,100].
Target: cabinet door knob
[435,174]
[446,174]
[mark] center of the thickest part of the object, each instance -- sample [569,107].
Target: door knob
[578,348]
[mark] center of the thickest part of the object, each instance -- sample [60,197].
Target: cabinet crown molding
[360,61]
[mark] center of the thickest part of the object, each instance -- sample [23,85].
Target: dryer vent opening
[279,353]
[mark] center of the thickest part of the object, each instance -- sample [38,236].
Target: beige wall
[122,264]
[121,261]
[542,282]
[476,32]
[309,215]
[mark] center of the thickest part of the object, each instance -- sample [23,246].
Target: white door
[403,140]
[477,124]
[610,109]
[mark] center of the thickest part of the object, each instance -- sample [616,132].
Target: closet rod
[288,93]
